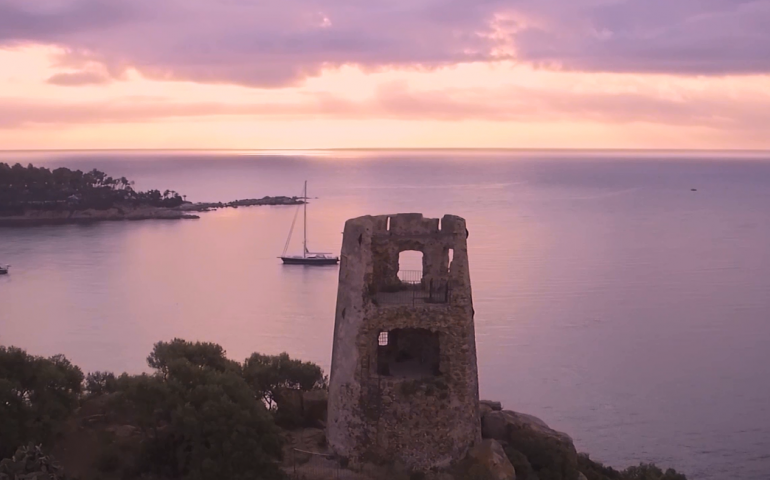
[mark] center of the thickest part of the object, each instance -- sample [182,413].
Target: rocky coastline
[186,211]
[248,202]
[514,446]
[265,418]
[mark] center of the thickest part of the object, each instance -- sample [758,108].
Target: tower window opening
[409,353]
[410,267]
[383,339]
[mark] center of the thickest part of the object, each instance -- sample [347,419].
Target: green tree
[98,383]
[200,419]
[36,396]
[269,374]
[23,188]
[199,354]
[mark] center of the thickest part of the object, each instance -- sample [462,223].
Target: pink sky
[384,73]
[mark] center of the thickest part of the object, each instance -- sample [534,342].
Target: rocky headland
[248,202]
[36,195]
[185,211]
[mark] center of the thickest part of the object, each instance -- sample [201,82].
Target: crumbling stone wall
[423,421]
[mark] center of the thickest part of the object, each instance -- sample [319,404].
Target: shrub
[594,470]
[648,471]
[36,396]
[200,419]
[30,462]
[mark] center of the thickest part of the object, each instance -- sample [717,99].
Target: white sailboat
[307,257]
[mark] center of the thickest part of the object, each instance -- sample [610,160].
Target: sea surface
[611,299]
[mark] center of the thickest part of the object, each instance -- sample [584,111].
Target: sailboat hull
[310,261]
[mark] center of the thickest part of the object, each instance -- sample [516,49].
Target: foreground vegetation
[38,188]
[198,416]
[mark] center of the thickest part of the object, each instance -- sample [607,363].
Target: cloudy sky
[384,73]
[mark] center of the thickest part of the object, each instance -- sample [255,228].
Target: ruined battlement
[435,238]
[404,381]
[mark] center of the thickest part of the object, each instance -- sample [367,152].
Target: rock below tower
[404,381]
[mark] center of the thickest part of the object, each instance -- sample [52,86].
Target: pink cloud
[274,44]
[397,101]
[77,79]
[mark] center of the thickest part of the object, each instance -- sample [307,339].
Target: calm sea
[611,300]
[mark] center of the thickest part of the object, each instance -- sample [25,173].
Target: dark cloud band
[274,44]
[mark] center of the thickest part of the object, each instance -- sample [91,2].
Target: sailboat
[307,257]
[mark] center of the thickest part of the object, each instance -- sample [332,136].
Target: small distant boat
[307,257]
[4,269]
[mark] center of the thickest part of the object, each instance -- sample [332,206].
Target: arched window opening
[410,267]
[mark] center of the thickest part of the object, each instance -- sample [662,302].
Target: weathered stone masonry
[404,381]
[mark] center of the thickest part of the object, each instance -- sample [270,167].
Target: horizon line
[376,149]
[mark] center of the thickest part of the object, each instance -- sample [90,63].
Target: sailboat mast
[304,228]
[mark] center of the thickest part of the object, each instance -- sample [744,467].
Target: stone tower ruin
[404,381]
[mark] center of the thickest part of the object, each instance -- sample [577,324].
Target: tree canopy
[205,416]
[40,188]
[36,395]
[268,374]
[199,354]
[200,424]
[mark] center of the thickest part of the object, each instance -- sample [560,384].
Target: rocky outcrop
[248,202]
[40,217]
[501,425]
[533,447]
[488,460]
[494,406]
[488,406]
